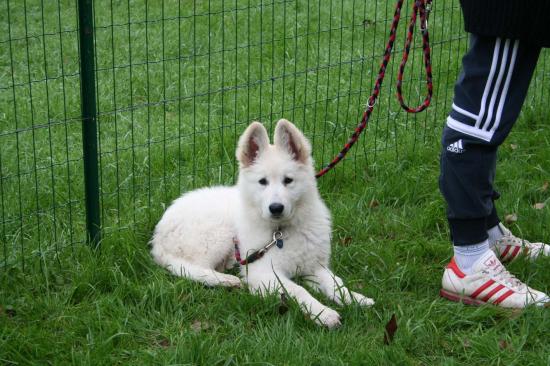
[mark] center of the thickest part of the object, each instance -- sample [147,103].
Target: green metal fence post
[89,123]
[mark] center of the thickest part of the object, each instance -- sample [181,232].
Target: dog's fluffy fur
[194,238]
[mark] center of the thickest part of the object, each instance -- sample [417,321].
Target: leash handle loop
[419,8]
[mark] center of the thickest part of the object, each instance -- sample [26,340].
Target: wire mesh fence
[176,82]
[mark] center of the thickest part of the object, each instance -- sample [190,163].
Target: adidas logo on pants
[456,147]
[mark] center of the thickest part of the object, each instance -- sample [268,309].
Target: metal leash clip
[277,240]
[427,10]
[425,28]
[370,105]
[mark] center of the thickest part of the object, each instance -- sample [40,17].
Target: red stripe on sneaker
[493,292]
[515,252]
[453,267]
[503,297]
[503,255]
[459,298]
[482,288]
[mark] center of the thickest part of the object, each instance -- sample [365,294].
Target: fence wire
[176,83]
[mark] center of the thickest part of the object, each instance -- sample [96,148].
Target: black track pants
[489,94]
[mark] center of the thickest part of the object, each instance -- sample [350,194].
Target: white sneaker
[489,283]
[509,248]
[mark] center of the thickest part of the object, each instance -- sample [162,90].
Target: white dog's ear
[288,137]
[252,143]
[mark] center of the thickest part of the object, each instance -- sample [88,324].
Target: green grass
[169,123]
[117,306]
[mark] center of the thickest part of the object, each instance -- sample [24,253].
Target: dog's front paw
[329,318]
[229,281]
[362,300]
[233,282]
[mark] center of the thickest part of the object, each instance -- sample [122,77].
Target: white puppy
[273,218]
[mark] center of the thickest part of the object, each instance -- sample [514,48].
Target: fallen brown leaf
[391,328]
[390,235]
[346,241]
[545,186]
[515,313]
[164,343]
[374,203]
[10,312]
[511,218]
[539,205]
[197,325]
[283,305]
[502,344]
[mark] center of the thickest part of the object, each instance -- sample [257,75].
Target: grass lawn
[176,86]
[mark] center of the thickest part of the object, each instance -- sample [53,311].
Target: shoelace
[520,242]
[508,235]
[506,277]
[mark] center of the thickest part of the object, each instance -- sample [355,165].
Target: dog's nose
[276,208]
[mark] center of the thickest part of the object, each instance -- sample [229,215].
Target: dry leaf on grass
[390,235]
[345,241]
[197,325]
[511,218]
[539,205]
[9,311]
[164,343]
[391,328]
[374,203]
[515,313]
[283,305]
[545,186]
[502,344]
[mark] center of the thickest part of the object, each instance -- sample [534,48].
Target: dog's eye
[263,182]
[287,180]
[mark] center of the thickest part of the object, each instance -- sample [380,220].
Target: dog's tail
[183,268]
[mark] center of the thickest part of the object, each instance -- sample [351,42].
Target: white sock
[467,255]
[494,234]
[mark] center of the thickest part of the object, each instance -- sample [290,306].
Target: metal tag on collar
[278,239]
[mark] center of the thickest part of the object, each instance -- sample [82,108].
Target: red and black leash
[421,8]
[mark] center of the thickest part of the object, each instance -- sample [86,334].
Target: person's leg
[488,97]
[489,94]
